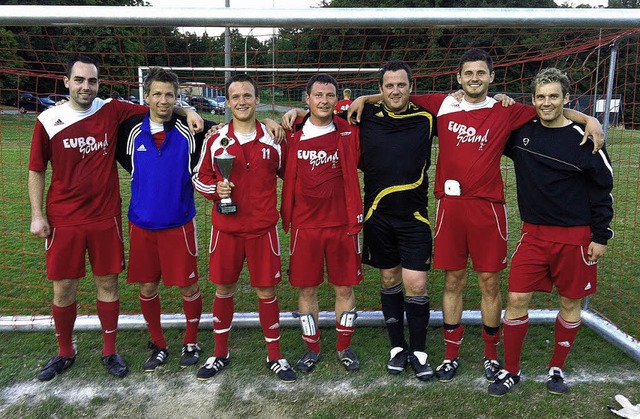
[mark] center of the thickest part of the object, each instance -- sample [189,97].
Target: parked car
[204,104]
[184,104]
[58,98]
[29,102]
[221,104]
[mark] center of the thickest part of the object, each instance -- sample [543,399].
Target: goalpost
[597,48]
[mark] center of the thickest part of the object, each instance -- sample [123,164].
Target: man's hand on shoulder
[289,118]
[505,99]
[593,129]
[194,121]
[275,130]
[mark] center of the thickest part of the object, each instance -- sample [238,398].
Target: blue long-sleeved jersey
[161,191]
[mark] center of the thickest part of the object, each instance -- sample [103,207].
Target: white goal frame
[320,18]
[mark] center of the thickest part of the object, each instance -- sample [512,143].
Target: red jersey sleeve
[126,110]
[40,149]
[430,102]
[520,114]
[204,176]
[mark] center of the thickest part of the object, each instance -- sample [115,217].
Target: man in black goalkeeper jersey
[396,138]
[565,202]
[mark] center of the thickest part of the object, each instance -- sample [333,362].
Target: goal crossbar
[318,17]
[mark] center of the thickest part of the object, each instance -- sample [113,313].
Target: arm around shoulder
[592,128]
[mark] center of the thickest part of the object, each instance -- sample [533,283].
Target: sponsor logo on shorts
[193,275]
[588,287]
[278,275]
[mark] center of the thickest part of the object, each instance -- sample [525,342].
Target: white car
[184,104]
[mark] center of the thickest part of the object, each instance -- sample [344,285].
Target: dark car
[221,104]
[205,104]
[57,98]
[34,103]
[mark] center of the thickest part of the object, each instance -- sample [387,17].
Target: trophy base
[227,208]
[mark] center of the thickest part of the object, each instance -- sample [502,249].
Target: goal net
[602,64]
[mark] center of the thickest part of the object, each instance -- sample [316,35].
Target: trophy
[224,163]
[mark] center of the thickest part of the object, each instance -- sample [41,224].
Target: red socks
[108,314]
[64,319]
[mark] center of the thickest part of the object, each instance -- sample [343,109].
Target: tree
[624,4]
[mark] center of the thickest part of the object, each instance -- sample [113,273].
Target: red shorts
[538,265]
[470,227]
[310,247]
[227,253]
[169,253]
[67,247]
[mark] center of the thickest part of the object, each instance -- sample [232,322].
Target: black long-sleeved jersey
[559,182]
[396,154]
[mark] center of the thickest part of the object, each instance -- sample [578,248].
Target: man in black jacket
[564,196]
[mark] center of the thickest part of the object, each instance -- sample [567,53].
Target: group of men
[564,235]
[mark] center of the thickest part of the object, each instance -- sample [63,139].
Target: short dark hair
[82,59]
[551,75]
[161,75]
[475,55]
[240,78]
[321,78]
[395,65]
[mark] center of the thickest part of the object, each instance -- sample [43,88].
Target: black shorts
[392,240]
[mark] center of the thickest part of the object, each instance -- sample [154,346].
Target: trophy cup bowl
[224,164]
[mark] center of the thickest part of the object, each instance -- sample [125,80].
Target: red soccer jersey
[81,148]
[319,191]
[471,138]
[342,105]
[254,174]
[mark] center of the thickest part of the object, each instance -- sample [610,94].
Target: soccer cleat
[397,360]
[308,361]
[491,369]
[157,358]
[283,370]
[419,362]
[503,383]
[115,365]
[447,370]
[349,359]
[190,354]
[555,381]
[212,367]
[56,365]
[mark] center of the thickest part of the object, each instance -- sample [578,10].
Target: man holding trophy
[322,209]
[238,170]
